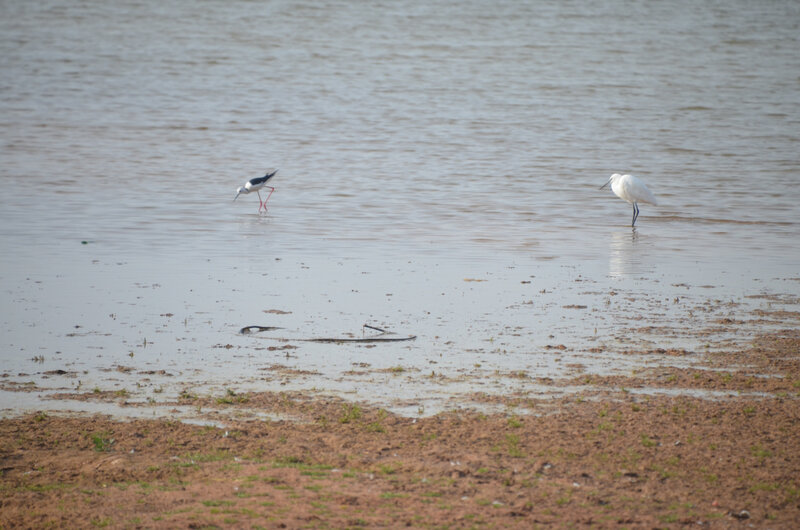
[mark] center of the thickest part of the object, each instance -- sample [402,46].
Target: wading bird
[631,189]
[256,184]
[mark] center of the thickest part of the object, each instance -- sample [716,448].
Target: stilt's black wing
[262,180]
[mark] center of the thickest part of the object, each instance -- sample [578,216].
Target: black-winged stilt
[256,184]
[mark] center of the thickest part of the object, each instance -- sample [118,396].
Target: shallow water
[421,147]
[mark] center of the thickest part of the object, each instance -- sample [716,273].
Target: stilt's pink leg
[268,196]
[260,202]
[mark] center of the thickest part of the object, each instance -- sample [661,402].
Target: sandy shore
[607,457]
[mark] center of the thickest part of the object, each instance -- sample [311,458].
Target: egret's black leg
[635,214]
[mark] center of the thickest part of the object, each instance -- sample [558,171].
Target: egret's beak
[606,184]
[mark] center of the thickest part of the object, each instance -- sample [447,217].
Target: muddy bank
[608,455]
[615,461]
[618,461]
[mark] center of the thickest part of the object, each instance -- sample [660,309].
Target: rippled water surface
[439,166]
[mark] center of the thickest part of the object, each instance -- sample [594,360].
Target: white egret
[631,189]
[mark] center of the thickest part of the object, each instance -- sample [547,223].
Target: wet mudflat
[528,328]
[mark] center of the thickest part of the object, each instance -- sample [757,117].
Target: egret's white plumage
[631,189]
[255,184]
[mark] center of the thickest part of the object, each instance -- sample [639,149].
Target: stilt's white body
[631,189]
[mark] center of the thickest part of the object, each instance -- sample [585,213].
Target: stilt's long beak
[237,196]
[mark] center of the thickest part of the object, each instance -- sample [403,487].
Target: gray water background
[420,144]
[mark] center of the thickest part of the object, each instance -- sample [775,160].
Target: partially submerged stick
[256,329]
[366,339]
